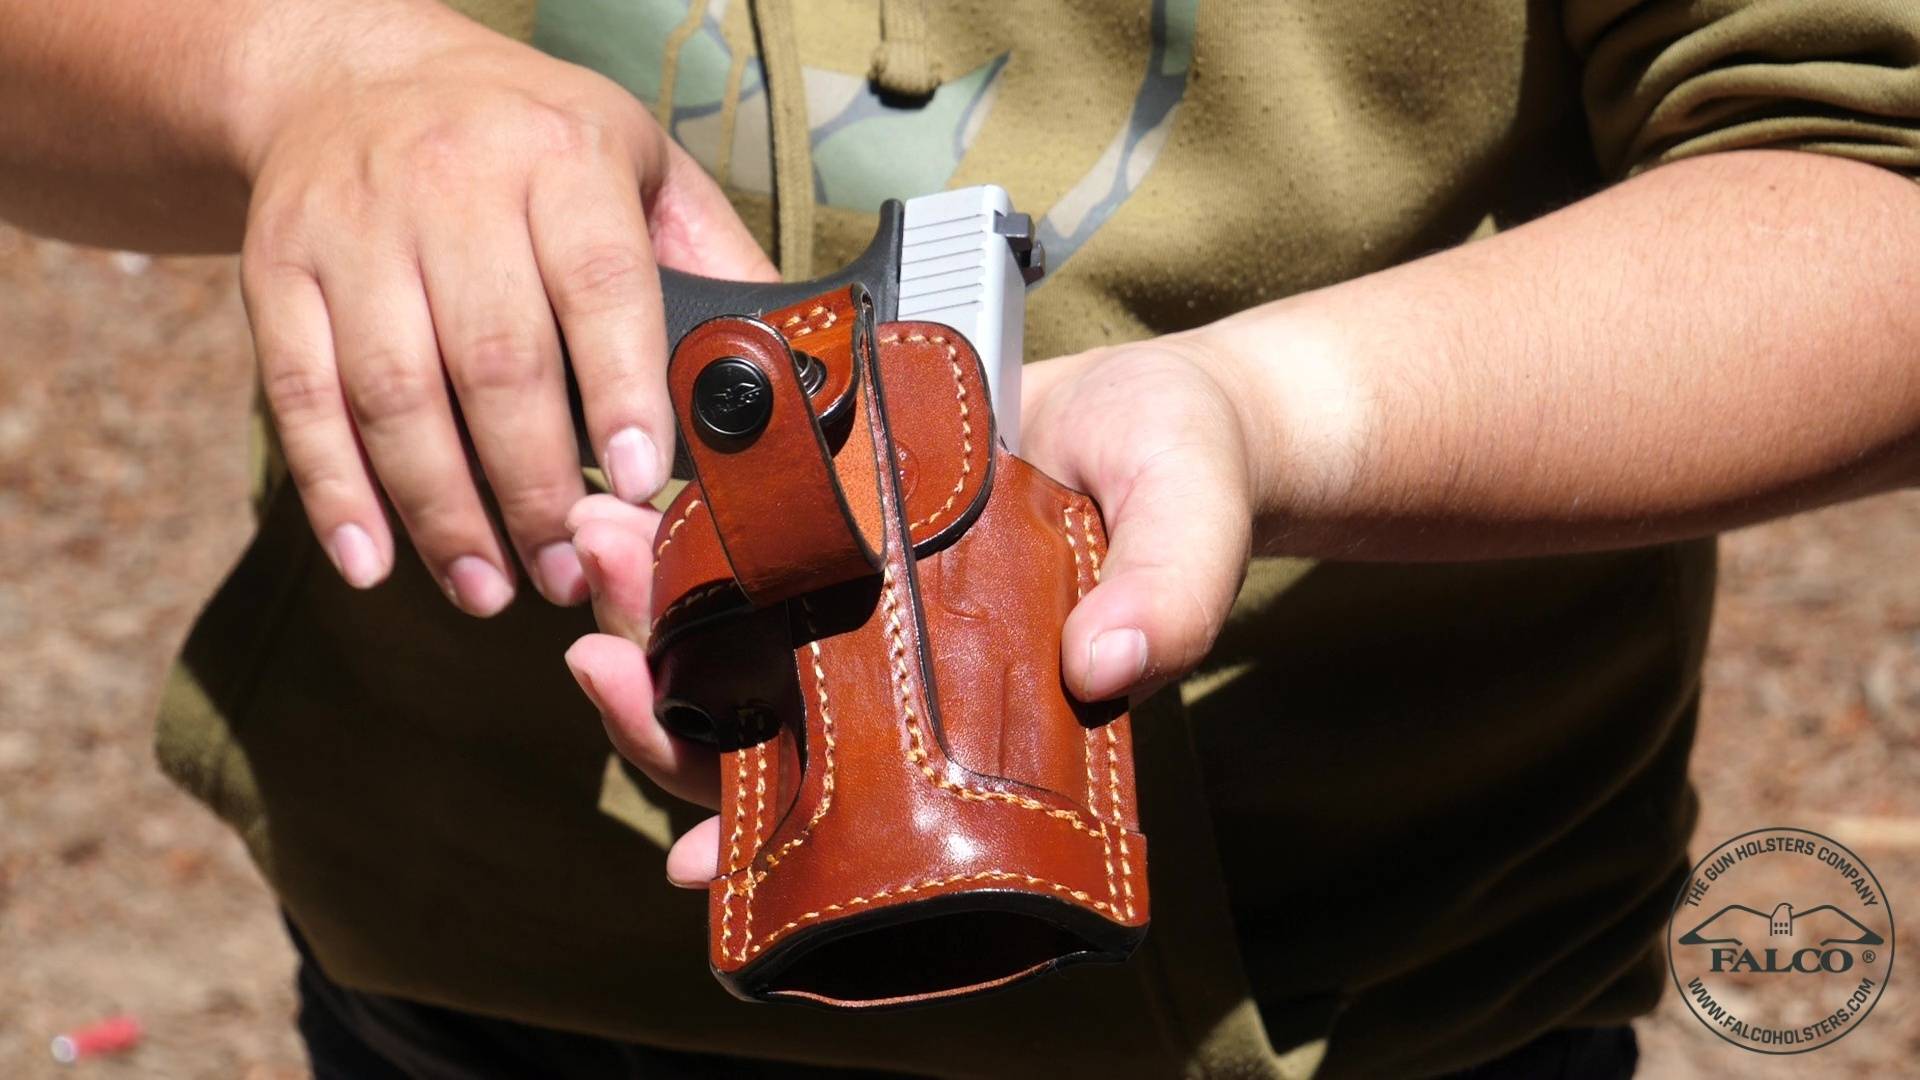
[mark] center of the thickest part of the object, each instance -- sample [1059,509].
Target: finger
[618,560]
[613,673]
[590,238]
[601,507]
[696,229]
[503,358]
[390,369]
[694,859]
[301,383]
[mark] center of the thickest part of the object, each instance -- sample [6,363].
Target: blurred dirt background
[124,385]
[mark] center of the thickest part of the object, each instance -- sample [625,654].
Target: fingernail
[586,683]
[1116,659]
[633,465]
[558,568]
[477,586]
[354,555]
[591,565]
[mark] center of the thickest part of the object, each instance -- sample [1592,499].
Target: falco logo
[1779,976]
[1793,941]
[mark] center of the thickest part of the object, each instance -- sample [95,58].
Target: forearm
[131,122]
[1713,343]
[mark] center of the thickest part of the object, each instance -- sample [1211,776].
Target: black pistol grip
[690,300]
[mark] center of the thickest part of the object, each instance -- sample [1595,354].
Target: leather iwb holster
[859,601]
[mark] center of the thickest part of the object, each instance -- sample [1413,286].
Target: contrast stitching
[826,728]
[933,883]
[966,422]
[1086,740]
[792,321]
[1113,779]
[917,753]
[1093,807]
[1093,549]
[1113,741]
[699,593]
[759,805]
[675,527]
[733,854]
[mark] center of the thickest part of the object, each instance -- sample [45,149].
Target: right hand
[422,214]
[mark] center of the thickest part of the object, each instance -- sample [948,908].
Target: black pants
[355,1036]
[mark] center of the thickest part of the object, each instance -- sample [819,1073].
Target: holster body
[860,602]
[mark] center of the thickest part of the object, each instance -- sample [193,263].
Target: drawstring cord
[903,63]
[903,66]
[792,145]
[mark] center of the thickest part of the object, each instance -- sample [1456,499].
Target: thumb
[1180,534]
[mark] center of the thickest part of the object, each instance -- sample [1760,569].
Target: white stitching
[702,591]
[966,422]
[791,321]
[917,753]
[933,883]
[1087,737]
[1113,741]
[675,527]
[733,855]
[826,729]
[759,805]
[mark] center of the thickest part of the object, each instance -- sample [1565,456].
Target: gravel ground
[123,393]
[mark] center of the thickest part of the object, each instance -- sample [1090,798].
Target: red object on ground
[114,1035]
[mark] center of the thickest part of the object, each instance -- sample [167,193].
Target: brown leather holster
[859,601]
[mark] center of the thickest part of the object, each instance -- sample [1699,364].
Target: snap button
[732,398]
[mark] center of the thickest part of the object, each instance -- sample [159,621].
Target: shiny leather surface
[867,611]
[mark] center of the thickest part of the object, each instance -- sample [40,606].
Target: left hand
[1151,430]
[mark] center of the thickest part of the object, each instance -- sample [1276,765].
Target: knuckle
[272,248]
[324,490]
[600,277]
[439,151]
[389,388]
[500,360]
[538,502]
[300,393]
[568,130]
[443,526]
[265,270]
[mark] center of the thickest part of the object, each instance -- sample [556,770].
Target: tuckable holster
[859,602]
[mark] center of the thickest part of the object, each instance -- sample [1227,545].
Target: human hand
[423,213]
[1155,432]
[1151,430]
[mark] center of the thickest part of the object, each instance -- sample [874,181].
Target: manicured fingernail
[354,555]
[633,465]
[558,568]
[1116,659]
[477,586]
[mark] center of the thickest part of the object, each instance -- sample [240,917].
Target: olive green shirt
[1409,817]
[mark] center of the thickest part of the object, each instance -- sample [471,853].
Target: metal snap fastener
[732,398]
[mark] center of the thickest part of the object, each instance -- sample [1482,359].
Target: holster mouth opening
[936,949]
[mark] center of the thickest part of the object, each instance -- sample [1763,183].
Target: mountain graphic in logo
[1823,925]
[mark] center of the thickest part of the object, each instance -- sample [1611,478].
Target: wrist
[1291,371]
[294,53]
